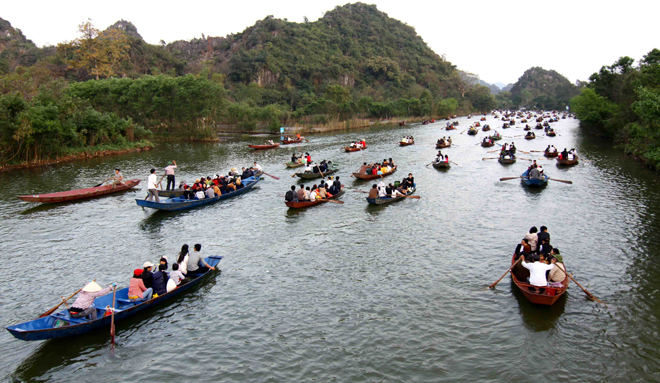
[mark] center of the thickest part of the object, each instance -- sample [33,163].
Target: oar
[411,196]
[524,159]
[306,140]
[430,163]
[509,178]
[112,320]
[271,176]
[493,151]
[564,181]
[590,295]
[454,163]
[47,313]
[489,158]
[464,131]
[507,272]
[537,151]
[335,201]
[294,174]
[360,191]
[102,182]
[524,151]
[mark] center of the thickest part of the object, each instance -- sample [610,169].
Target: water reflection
[539,318]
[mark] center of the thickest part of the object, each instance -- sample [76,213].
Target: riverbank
[100,151]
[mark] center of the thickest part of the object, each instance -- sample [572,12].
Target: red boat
[302,204]
[406,143]
[538,295]
[296,141]
[349,149]
[73,195]
[258,147]
[373,176]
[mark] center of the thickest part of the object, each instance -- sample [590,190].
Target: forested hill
[540,88]
[15,48]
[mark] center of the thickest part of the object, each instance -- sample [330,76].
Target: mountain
[540,88]
[127,27]
[15,48]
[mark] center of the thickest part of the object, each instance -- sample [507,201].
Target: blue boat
[60,324]
[180,203]
[533,182]
[383,200]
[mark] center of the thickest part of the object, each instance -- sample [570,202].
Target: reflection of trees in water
[539,317]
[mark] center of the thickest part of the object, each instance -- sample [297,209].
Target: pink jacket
[135,288]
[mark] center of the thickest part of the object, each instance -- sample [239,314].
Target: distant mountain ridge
[545,89]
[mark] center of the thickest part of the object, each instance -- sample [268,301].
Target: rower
[84,304]
[117,179]
[258,167]
[373,193]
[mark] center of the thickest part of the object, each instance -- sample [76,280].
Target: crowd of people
[535,171]
[508,151]
[444,141]
[145,283]
[568,154]
[551,149]
[544,262]
[321,167]
[209,187]
[324,189]
[377,168]
[404,187]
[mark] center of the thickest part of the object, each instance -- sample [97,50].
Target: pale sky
[497,40]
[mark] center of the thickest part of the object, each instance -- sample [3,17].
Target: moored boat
[304,204]
[180,203]
[60,324]
[384,200]
[77,194]
[259,147]
[537,295]
[373,176]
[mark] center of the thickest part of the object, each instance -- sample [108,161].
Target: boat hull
[294,165]
[261,147]
[43,328]
[534,182]
[406,143]
[442,165]
[382,201]
[302,205]
[506,161]
[78,194]
[549,296]
[311,176]
[292,142]
[349,149]
[361,176]
[567,162]
[442,146]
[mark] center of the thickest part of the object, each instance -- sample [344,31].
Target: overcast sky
[497,40]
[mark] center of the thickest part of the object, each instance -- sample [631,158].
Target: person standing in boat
[117,179]
[169,172]
[82,307]
[152,186]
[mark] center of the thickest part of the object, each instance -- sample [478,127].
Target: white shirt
[183,266]
[169,170]
[151,181]
[312,195]
[537,272]
[258,167]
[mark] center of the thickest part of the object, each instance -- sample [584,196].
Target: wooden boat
[179,192]
[349,149]
[406,143]
[506,161]
[483,118]
[567,162]
[259,147]
[304,204]
[539,126]
[477,124]
[527,128]
[77,194]
[533,182]
[550,133]
[442,165]
[451,127]
[472,131]
[550,154]
[294,164]
[485,128]
[487,144]
[373,176]
[530,136]
[311,176]
[496,136]
[180,203]
[60,324]
[384,200]
[505,126]
[296,141]
[442,146]
[537,295]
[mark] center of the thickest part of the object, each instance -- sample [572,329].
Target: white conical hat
[92,287]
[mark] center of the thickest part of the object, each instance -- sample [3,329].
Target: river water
[351,292]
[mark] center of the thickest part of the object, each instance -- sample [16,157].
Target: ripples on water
[347,292]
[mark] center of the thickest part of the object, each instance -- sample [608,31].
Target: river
[351,292]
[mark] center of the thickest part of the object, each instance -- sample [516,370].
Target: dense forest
[622,101]
[110,89]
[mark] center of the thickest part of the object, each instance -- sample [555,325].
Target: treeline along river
[348,292]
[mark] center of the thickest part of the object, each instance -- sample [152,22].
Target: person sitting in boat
[210,193]
[137,291]
[544,246]
[307,193]
[322,191]
[363,168]
[298,136]
[532,238]
[409,181]
[286,138]
[448,140]
[572,154]
[117,179]
[439,156]
[314,194]
[381,190]
[563,155]
[239,183]
[291,195]
[308,158]
[523,248]
[446,160]
[488,140]
[537,270]
[160,280]
[391,162]
[182,259]
[336,186]
[294,159]
[404,140]
[196,262]
[308,168]
[82,307]
[301,193]
[373,193]
[512,149]
[558,274]
[176,277]
[216,190]
[247,173]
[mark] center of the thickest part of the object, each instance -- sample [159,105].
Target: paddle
[112,320]
[537,151]
[590,295]
[509,178]
[507,272]
[271,176]
[564,181]
[524,159]
[493,151]
[489,158]
[464,131]
[294,174]
[454,163]
[411,196]
[524,151]
[335,201]
[102,182]
[360,191]
[47,313]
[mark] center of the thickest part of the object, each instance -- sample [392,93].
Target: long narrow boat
[259,147]
[442,165]
[179,192]
[373,176]
[567,162]
[73,195]
[533,182]
[311,176]
[296,141]
[60,324]
[304,204]
[401,143]
[180,203]
[537,295]
[384,200]
[294,164]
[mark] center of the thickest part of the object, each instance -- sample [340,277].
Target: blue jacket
[160,282]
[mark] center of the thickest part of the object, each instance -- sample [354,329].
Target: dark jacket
[160,282]
[147,278]
[543,235]
[291,196]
